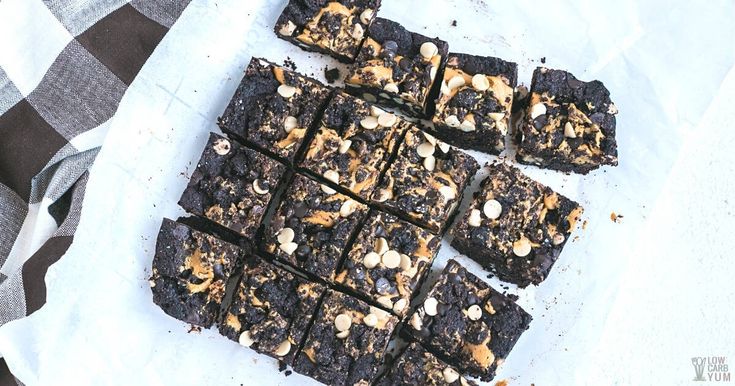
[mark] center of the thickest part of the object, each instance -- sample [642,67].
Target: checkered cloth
[64,67]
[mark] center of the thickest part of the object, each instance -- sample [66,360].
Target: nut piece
[425,149]
[246,339]
[344,147]
[538,110]
[387,120]
[443,146]
[290,123]
[369,122]
[452,121]
[385,301]
[492,209]
[467,126]
[430,305]
[287,29]
[456,82]
[450,375]
[496,116]
[348,208]
[475,219]
[367,15]
[328,190]
[392,259]
[289,248]
[480,82]
[391,88]
[370,320]
[342,322]
[381,246]
[428,50]
[430,163]
[286,235]
[222,146]
[371,260]
[258,187]
[474,312]
[569,130]
[286,91]
[283,349]
[416,322]
[358,32]
[558,239]
[522,247]
[376,111]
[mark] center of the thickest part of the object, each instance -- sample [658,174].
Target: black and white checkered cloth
[64,67]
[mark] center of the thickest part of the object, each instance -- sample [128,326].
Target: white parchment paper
[663,62]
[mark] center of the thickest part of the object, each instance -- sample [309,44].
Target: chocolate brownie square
[418,367]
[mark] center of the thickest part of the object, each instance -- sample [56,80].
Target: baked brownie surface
[190,270]
[569,125]
[389,260]
[312,226]
[397,67]
[274,108]
[516,226]
[426,181]
[346,343]
[335,28]
[474,104]
[232,185]
[467,323]
[353,144]
[418,367]
[271,309]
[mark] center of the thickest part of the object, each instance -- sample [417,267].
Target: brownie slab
[312,226]
[274,109]
[346,343]
[353,144]
[474,104]
[389,261]
[418,367]
[232,185]
[515,226]
[467,323]
[271,309]
[335,28]
[398,68]
[426,181]
[190,270]
[568,125]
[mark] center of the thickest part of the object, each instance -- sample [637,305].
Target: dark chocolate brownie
[312,226]
[515,226]
[418,367]
[354,143]
[389,261]
[426,181]
[271,309]
[474,105]
[232,185]
[346,343]
[467,323]
[190,271]
[569,125]
[335,28]
[398,68]
[274,109]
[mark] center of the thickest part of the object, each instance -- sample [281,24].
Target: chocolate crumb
[513,297]
[454,23]
[543,60]
[288,372]
[331,74]
[290,64]
[282,366]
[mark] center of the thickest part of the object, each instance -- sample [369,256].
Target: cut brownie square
[312,226]
[515,226]
[474,105]
[467,323]
[232,185]
[274,108]
[335,28]
[398,68]
[271,309]
[346,343]
[569,125]
[418,367]
[389,261]
[426,181]
[354,143]
[190,270]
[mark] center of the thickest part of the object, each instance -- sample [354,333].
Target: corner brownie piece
[474,105]
[389,261]
[515,226]
[312,226]
[232,185]
[274,108]
[569,125]
[190,270]
[335,28]
[354,143]
[271,309]
[398,68]
[418,367]
[467,323]
[346,343]
[426,181]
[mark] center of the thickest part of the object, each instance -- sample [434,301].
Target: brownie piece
[354,143]
[515,226]
[389,261]
[568,125]
[190,270]
[312,226]
[274,109]
[398,68]
[426,181]
[232,185]
[271,309]
[418,367]
[467,323]
[346,343]
[474,105]
[335,27]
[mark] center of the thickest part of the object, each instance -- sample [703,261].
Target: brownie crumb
[290,64]
[282,366]
[288,372]
[454,23]
[331,74]
[513,297]
[543,60]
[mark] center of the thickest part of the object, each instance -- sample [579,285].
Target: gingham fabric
[64,67]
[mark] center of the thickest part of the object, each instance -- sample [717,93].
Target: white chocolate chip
[371,260]
[467,126]
[474,312]
[222,146]
[343,334]
[428,50]
[369,122]
[502,127]
[452,121]
[283,349]
[246,339]
[259,189]
[391,88]
[569,130]
[376,111]
[342,322]
[289,248]
[385,301]
[287,29]
[430,305]
[328,190]
[448,193]
[400,305]
[450,375]
[345,146]
[522,247]
[443,146]
[286,235]
[425,149]
[370,320]
[387,120]
[455,82]
[348,208]
[392,259]
[332,175]
[538,110]
[430,138]
[381,246]
[558,239]
[496,116]
[430,163]
[475,219]
[290,123]
[445,90]
[492,209]
[480,82]
[406,263]
[367,15]
[358,32]
[416,322]
[383,195]
[286,91]
[432,73]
